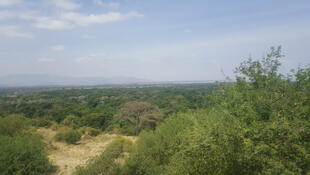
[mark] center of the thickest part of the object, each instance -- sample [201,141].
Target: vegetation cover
[256,125]
[70,136]
[21,152]
[108,161]
[120,110]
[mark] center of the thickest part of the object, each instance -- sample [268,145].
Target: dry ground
[67,157]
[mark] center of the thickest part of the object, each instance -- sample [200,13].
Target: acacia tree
[139,115]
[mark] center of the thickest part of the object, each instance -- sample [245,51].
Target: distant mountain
[54,80]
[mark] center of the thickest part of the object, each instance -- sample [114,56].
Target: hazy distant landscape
[52,80]
[133,87]
[141,128]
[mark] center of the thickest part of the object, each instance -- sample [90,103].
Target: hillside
[66,158]
[257,125]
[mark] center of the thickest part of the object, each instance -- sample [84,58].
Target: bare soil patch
[67,157]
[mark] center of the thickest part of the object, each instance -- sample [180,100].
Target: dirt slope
[67,157]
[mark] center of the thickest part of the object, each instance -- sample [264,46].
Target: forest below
[258,124]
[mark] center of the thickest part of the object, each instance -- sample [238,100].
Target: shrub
[107,162]
[154,149]
[41,122]
[23,155]
[96,120]
[71,121]
[54,126]
[90,131]
[13,125]
[69,136]
[149,121]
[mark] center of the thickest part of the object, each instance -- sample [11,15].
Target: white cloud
[14,31]
[66,20]
[108,5]
[22,15]
[6,3]
[44,59]
[84,20]
[65,4]
[57,48]
[72,20]
[39,21]
[53,24]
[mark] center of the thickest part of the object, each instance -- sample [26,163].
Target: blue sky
[149,39]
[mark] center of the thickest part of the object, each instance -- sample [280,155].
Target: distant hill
[54,80]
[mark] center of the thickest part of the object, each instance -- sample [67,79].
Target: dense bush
[154,149]
[259,125]
[21,152]
[24,155]
[97,120]
[13,125]
[108,162]
[69,136]
[41,122]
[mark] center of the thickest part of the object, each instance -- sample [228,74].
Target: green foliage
[259,125]
[69,136]
[150,121]
[71,121]
[13,125]
[262,72]
[41,122]
[24,155]
[213,142]
[90,131]
[21,152]
[108,162]
[96,120]
[136,116]
[226,145]
[154,148]
[96,107]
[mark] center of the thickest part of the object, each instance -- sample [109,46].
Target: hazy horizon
[153,40]
[34,80]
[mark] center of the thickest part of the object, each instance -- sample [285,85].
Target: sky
[159,40]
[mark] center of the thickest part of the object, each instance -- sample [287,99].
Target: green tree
[138,116]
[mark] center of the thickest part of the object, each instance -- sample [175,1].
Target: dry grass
[67,157]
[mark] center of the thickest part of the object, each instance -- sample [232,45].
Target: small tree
[69,136]
[261,72]
[71,121]
[138,115]
[261,85]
